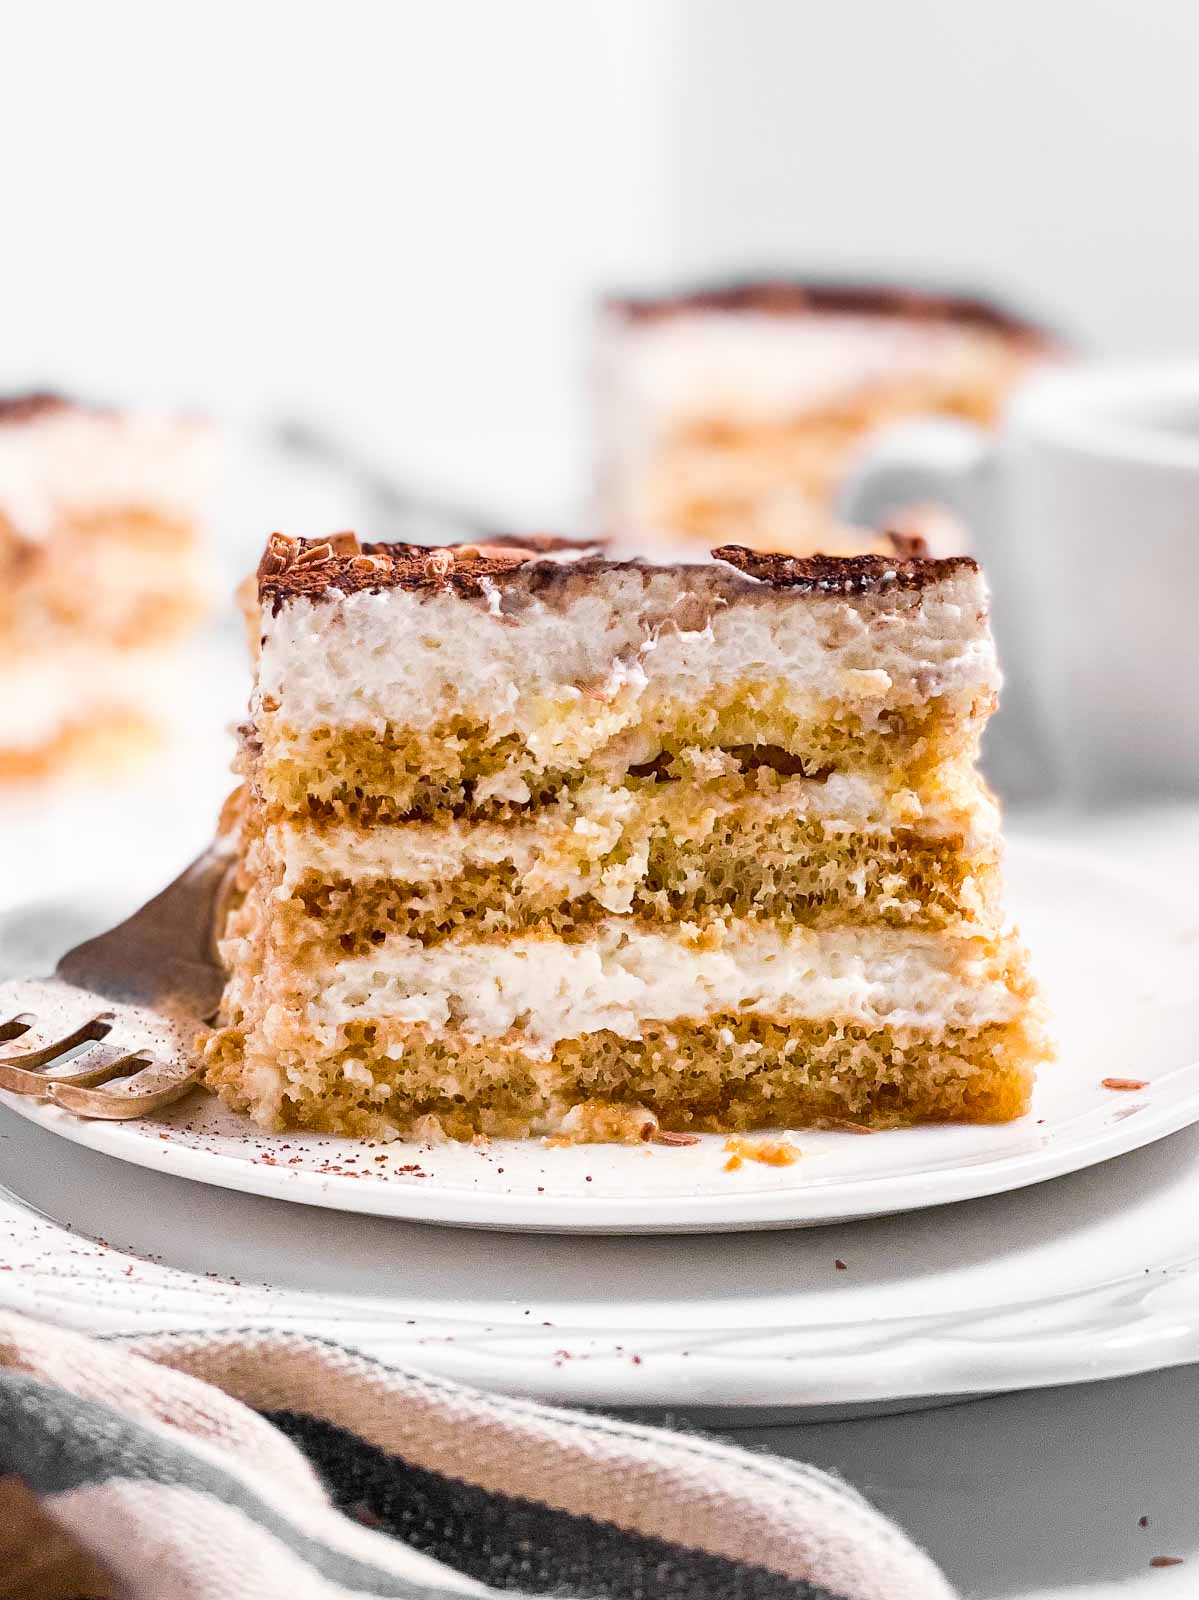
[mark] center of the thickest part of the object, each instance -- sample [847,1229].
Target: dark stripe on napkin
[53,1441]
[515,1543]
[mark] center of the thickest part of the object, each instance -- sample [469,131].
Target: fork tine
[17,1080]
[101,1065]
[156,1086]
[94,1028]
[134,1061]
[144,987]
[107,1061]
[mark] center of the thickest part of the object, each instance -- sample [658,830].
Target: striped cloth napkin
[249,1464]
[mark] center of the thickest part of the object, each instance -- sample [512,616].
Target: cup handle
[956,465]
[950,463]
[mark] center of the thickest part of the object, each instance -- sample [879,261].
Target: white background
[1048,148]
[392,216]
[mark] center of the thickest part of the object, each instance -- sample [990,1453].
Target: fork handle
[161,956]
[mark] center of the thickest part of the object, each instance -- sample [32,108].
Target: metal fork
[124,1007]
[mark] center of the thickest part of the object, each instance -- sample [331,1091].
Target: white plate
[1118,967]
[1091,1276]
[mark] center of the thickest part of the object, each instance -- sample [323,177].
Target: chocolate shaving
[312,554]
[908,546]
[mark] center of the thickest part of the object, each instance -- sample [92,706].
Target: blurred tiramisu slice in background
[102,572]
[734,413]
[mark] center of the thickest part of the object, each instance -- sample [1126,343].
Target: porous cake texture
[102,570]
[735,412]
[540,842]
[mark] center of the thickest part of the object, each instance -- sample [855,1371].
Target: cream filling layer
[544,991]
[563,840]
[44,694]
[748,364]
[74,459]
[114,586]
[592,666]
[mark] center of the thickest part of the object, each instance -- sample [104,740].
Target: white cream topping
[78,460]
[621,977]
[601,659]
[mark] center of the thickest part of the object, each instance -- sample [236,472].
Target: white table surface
[1036,1495]
[1039,1495]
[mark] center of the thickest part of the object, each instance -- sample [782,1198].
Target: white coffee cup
[1084,512]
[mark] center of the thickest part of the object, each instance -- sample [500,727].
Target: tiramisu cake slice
[101,567]
[734,412]
[534,844]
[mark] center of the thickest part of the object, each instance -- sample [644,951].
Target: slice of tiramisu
[735,412]
[101,569]
[534,844]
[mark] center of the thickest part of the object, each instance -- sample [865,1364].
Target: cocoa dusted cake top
[27,407]
[787,297]
[858,574]
[294,567]
[34,404]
